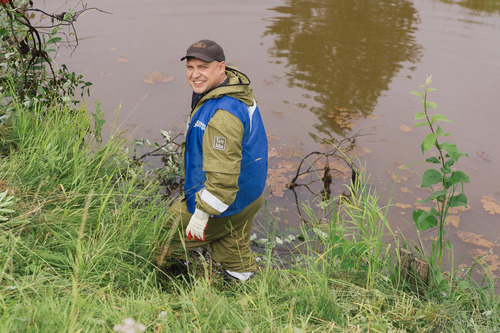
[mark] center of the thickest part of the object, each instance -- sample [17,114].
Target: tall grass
[349,233]
[77,255]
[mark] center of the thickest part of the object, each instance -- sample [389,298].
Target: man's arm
[222,153]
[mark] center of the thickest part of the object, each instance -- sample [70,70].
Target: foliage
[170,173]
[349,233]
[77,254]
[26,56]
[5,202]
[99,121]
[446,185]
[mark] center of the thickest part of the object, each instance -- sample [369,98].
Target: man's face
[203,76]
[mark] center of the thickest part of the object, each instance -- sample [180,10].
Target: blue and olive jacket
[225,151]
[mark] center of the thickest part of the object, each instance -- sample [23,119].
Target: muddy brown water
[320,70]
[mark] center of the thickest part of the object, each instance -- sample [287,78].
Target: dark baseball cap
[206,50]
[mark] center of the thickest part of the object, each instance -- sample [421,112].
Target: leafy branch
[445,184]
[27,50]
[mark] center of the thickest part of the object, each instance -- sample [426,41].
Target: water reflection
[344,53]
[488,6]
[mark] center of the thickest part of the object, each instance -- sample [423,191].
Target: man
[225,165]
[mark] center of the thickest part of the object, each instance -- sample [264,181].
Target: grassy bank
[77,254]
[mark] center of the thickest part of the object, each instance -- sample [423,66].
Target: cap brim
[198,56]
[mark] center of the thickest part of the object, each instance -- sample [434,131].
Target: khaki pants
[229,237]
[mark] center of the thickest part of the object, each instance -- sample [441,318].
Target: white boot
[229,275]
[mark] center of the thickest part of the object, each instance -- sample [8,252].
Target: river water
[322,71]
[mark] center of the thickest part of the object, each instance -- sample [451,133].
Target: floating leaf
[405,190]
[120,59]
[278,114]
[156,76]
[472,238]
[490,205]
[483,155]
[405,128]
[402,206]
[490,258]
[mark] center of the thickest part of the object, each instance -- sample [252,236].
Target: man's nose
[196,72]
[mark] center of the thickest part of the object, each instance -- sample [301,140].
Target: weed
[449,182]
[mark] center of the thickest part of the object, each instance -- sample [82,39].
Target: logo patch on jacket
[200,125]
[220,143]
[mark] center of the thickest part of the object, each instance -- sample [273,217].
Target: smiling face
[204,76]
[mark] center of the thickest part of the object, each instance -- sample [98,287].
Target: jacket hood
[237,87]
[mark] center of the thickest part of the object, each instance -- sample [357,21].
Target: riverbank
[77,253]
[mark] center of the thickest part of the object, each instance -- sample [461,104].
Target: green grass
[77,255]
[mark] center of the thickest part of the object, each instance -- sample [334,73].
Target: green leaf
[433,160]
[66,84]
[421,124]
[347,264]
[439,132]
[439,194]
[419,115]
[40,90]
[424,201]
[3,32]
[451,150]
[431,104]
[418,93]
[439,117]
[55,30]
[54,40]
[447,166]
[446,169]
[428,81]
[448,245]
[424,220]
[434,211]
[458,200]
[458,177]
[429,142]
[449,162]
[431,177]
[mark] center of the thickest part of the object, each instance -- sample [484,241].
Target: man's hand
[196,227]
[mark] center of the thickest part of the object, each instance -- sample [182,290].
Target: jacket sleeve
[222,153]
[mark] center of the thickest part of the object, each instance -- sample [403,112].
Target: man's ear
[222,65]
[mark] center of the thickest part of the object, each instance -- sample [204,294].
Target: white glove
[197,225]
